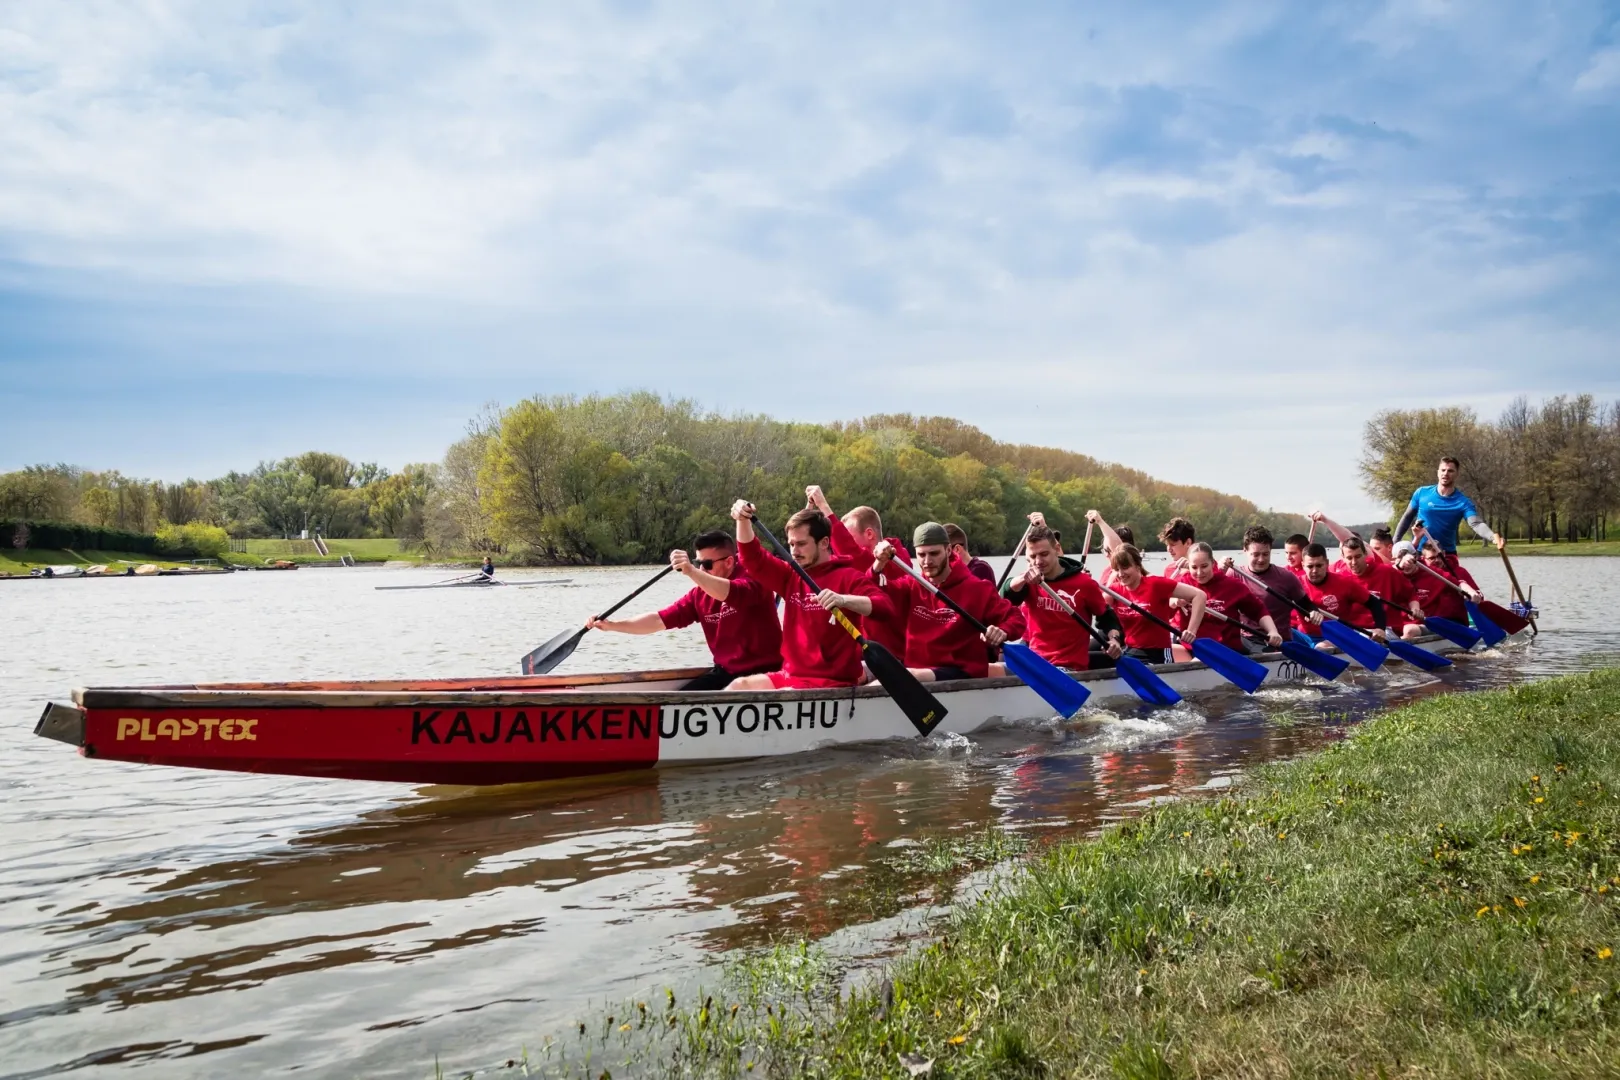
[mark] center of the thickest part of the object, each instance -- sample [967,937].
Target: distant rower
[853,537]
[1051,631]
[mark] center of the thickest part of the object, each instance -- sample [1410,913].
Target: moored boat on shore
[515,729]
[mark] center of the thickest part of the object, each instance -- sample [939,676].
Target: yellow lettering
[247,731]
[169,727]
[227,730]
[127,725]
[188,726]
[208,723]
[146,730]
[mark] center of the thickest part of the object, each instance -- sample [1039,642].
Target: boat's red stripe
[423,745]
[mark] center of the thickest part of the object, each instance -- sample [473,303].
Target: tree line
[1540,472]
[626,478]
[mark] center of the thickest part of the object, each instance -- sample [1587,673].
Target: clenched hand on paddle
[921,708]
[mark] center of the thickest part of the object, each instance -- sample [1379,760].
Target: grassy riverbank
[20,561]
[1579,547]
[1435,896]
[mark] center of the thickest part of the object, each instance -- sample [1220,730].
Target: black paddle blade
[553,652]
[921,708]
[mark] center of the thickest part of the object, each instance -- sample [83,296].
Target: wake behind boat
[476,581]
[516,729]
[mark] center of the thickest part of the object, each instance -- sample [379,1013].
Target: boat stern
[64,723]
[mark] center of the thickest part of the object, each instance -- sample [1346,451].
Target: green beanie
[929,533]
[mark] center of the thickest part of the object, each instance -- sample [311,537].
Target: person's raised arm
[1340,533]
[742,512]
[1476,522]
[717,587]
[1110,538]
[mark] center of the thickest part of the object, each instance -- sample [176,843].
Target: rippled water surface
[181,923]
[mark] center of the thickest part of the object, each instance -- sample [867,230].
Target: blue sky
[1205,240]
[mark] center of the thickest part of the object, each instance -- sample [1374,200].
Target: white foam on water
[1288,694]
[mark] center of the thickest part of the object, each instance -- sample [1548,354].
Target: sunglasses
[708,564]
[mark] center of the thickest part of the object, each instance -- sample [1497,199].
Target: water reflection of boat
[519,729]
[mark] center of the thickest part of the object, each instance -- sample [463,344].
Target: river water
[176,923]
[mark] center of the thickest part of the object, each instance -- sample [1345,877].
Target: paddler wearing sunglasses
[738,613]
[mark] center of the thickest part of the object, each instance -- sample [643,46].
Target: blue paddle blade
[1482,622]
[1363,650]
[1464,637]
[1315,661]
[1302,638]
[1230,664]
[1148,686]
[1056,689]
[1417,656]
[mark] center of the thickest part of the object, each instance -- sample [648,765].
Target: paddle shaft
[809,582]
[1442,577]
[952,604]
[1518,593]
[1295,604]
[1252,631]
[649,583]
[1085,547]
[1075,615]
[1175,635]
[1007,570]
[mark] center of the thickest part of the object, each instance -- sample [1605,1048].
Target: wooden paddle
[1038,673]
[1085,548]
[547,656]
[1006,570]
[921,707]
[1146,685]
[1234,667]
[1518,593]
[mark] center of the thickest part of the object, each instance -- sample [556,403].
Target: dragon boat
[518,729]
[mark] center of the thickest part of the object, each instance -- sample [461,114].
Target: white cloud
[1602,73]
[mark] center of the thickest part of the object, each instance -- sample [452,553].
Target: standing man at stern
[940,644]
[738,614]
[1442,507]
[817,652]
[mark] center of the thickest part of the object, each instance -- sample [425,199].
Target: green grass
[371,550]
[1579,547]
[1436,896]
[21,561]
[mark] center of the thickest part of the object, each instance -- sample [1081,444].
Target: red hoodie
[814,645]
[742,630]
[1229,596]
[1340,595]
[1436,597]
[936,636]
[890,631]
[1051,631]
[1389,585]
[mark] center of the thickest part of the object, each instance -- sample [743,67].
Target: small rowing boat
[478,582]
[515,729]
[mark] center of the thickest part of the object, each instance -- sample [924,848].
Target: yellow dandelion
[1539,799]
[1282,836]
[1535,779]
[624,1027]
[1534,878]
[957,1040]
[1602,889]
[1482,912]
[1518,901]
[1604,953]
